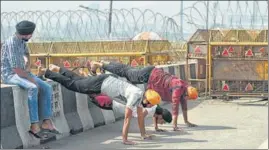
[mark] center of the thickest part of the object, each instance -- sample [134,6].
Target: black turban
[25,27]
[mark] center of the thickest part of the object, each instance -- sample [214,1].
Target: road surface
[225,125]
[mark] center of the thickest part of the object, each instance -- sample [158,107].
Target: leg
[46,92]
[117,68]
[32,99]
[80,86]
[134,75]
[65,72]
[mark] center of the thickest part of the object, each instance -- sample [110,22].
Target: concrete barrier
[58,118]
[83,111]
[72,112]
[109,116]
[97,114]
[10,137]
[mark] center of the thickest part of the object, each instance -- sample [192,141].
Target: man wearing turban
[15,69]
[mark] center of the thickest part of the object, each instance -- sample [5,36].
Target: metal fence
[89,25]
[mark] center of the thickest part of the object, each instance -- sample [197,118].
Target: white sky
[167,8]
[7,6]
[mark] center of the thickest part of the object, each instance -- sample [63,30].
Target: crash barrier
[232,63]
[136,53]
[72,113]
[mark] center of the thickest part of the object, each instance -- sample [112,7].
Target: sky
[7,6]
[168,8]
[242,9]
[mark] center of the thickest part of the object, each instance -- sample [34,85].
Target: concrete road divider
[97,114]
[70,111]
[83,111]
[10,137]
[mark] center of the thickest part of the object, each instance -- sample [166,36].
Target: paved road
[221,125]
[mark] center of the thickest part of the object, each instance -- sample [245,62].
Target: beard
[25,40]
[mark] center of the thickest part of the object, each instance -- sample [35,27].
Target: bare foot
[35,128]
[178,129]
[41,71]
[54,68]
[47,124]
[127,142]
[104,62]
[94,66]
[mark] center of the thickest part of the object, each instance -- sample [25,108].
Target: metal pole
[207,11]
[181,19]
[208,56]
[110,19]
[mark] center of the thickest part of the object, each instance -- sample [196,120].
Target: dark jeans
[74,82]
[134,75]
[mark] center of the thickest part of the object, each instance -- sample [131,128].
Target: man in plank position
[170,87]
[111,86]
[160,115]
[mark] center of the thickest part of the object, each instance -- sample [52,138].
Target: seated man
[15,69]
[170,87]
[112,87]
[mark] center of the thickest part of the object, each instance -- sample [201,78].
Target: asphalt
[239,124]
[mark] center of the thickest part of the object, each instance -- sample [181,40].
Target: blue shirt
[12,52]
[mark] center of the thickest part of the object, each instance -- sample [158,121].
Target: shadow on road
[208,127]
[202,127]
[154,143]
[251,104]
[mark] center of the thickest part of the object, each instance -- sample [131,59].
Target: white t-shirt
[120,108]
[151,111]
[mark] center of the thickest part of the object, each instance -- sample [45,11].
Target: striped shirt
[12,52]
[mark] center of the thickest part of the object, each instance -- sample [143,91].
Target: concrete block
[96,113]
[70,111]
[83,111]
[10,138]
[108,116]
[58,118]
[20,97]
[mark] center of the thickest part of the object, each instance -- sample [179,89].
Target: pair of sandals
[43,133]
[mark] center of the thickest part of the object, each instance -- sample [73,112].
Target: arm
[27,60]
[184,107]
[175,106]
[145,112]
[141,123]
[155,123]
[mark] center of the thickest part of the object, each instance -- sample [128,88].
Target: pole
[110,19]
[181,19]
[207,12]
[208,49]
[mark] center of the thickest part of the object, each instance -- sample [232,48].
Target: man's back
[160,81]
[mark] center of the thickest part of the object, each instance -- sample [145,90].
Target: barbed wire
[92,24]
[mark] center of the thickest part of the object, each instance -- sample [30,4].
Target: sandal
[38,135]
[54,131]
